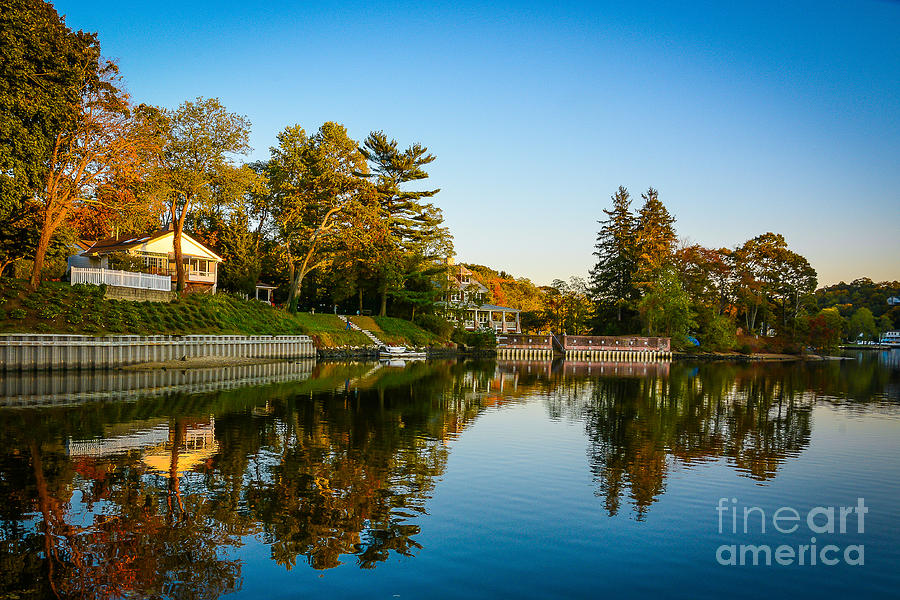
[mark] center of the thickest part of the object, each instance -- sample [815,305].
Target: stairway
[365,332]
[558,345]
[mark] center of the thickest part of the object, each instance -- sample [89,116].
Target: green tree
[666,308]
[884,324]
[612,278]
[196,166]
[414,227]
[323,206]
[862,325]
[44,69]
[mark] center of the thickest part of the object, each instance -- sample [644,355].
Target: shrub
[718,333]
[74,317]
[49,312]
[32,301]
[439,326]
[482,338]
[18,313]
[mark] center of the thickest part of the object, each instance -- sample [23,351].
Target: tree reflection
[639,428]
[150,498]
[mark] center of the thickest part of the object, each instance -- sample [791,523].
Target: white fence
[129,279]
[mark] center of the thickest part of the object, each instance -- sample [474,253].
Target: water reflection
[156,497]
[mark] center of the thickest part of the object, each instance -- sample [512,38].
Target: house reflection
[339,468]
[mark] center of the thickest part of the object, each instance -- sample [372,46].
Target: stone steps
[365,332]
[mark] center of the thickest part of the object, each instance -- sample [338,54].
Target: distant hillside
[850,297]
[507,290]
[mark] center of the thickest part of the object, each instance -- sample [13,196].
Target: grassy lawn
[329,331]
[391,330]
[62,308]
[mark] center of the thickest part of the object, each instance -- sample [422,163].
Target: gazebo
[266,288]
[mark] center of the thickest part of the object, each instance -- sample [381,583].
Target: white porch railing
[130,279]
[202,276]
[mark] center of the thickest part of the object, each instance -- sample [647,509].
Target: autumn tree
[612,278]
[655,238]
[44,70]
[771,276]
[108,141]
[196,166]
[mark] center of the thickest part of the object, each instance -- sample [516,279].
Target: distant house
[464,304]
[156,252]
[893,301]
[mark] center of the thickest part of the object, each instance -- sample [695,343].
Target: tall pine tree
[612,277]
[415,226]
[655,238]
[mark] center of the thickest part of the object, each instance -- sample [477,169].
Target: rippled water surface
[452,480]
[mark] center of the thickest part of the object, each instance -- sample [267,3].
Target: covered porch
[502,319]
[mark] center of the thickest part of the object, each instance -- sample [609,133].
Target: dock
[584,347]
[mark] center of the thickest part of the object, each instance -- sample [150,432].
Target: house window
[199,266]
[158,265]
[454,297]
[482,317]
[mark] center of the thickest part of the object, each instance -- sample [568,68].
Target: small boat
[398,352]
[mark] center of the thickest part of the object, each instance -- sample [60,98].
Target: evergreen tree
[655,238]
[415,227]
[612,277]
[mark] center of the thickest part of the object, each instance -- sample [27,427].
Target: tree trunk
[294,294]
[383,311]
[44,503]
[360,297]
[177,434]
[179,260]
[40,253]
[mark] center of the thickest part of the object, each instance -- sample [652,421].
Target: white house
[464,304]
[157,253]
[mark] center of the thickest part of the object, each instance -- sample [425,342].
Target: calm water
[452,480]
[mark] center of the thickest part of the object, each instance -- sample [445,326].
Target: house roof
[124,242]
[500,308]
[127,242]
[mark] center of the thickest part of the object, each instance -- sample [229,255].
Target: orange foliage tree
[108,141]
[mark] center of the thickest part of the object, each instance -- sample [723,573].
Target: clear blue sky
[748,118]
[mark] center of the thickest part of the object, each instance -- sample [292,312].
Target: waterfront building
[155,253]
[464,304]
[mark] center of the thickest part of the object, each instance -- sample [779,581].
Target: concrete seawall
[23,352]
[33,388]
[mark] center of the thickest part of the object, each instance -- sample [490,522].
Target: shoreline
[202,362]
[205,362]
